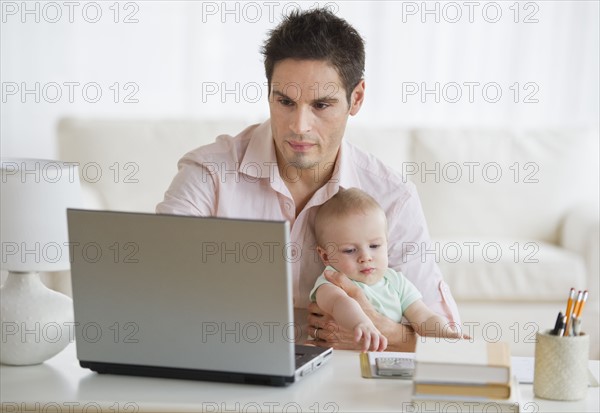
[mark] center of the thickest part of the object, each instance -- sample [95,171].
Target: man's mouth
[298,146]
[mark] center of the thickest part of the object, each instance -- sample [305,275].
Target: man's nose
[301,121]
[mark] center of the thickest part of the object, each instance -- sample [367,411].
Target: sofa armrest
[581,234]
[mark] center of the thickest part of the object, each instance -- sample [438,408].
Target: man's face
[309,111]
[356,245]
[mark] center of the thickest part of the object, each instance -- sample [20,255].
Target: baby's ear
[323,254]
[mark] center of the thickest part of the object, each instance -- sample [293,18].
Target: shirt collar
[260,160]
[345,169]
[345,175]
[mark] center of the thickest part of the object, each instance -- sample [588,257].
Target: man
[284,168]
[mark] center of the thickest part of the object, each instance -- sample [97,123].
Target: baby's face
[356,245]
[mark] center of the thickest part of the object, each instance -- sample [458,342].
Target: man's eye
[286,102]
[321,105]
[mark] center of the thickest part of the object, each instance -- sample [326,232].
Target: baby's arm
[427,323]
[348,313]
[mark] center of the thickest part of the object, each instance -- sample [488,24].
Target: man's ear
[323,254]
[357,97]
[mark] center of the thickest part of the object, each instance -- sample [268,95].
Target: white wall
[172,55]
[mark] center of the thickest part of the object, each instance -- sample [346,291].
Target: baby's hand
[372,339]
[454,332]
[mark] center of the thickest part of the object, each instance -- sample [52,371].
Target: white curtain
[463,63]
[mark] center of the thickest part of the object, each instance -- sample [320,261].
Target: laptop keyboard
[303,358]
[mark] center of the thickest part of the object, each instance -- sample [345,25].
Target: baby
[351,233]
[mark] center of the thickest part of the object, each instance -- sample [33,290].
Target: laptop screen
[182,292]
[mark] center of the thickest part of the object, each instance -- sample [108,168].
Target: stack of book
[469,376]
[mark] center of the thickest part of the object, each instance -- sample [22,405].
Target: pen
[563,323]
[569,309]
[557,324]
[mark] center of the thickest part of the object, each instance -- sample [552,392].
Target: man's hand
[354,291]
[328,333]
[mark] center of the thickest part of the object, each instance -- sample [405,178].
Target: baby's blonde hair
[345,202]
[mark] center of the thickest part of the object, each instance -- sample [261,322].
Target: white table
[60,385]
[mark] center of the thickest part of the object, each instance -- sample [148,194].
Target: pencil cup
[561,371]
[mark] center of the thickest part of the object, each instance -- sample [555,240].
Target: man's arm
[412,252]
[349,315]
[399,336]
[192,191]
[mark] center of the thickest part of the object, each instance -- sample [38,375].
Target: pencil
[569,309]
[576,325]
[578,302]
[580,308]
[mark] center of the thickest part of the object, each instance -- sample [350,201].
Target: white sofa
[513,214]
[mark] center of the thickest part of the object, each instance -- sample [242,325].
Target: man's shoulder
[368,163]
[374,173]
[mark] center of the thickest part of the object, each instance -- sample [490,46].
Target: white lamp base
[37,322]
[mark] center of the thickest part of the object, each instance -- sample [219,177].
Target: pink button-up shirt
[237,177]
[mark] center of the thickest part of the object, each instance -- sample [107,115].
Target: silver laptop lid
[182,292]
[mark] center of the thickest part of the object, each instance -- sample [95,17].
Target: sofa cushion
[131,163]
[508,269]
[503,183]
[392,146]
[128,164]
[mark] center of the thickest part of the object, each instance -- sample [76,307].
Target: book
[465,362]
[492,391]
[471,404]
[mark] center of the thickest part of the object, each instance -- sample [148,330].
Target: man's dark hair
[317,35]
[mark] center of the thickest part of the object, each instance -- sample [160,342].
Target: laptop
[186,297]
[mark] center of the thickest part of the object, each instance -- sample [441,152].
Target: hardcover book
[491,391]
[462,362]
[472,404]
